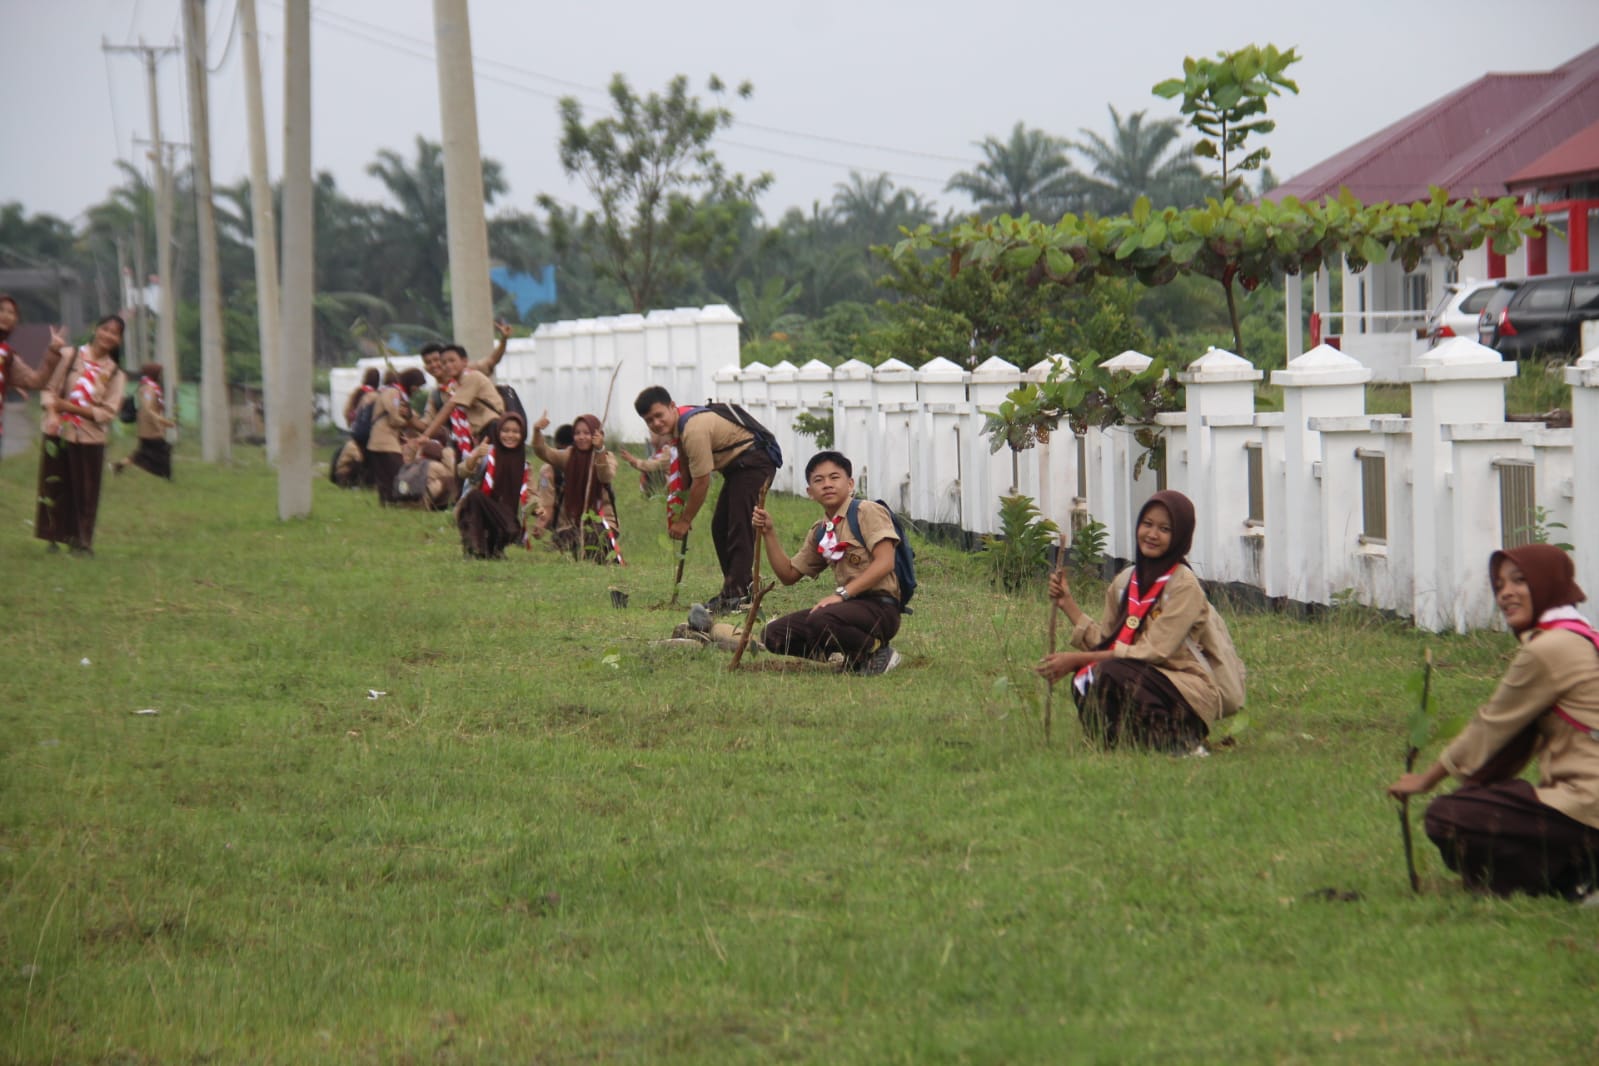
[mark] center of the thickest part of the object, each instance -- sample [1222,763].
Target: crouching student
[1137,679]
[1500,833]
[491,514]
[861,615]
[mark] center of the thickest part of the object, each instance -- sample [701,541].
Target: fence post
[943,446]
[1058,497]
[856,422]
[1220,390]
[1322,383]
[992,474]
[1583,377]
[894,386]
[716,342]
[1458,381]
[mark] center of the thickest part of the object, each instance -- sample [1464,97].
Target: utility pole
[471,299]
[166,315]
[291,407]
[263,228]
[215,421]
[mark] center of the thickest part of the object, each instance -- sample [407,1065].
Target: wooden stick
[577,550]
[1410,766]
[1054,616]
[682,557]
[756,592]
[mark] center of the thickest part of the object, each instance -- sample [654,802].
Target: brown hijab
[1181,510]
[1550,573]
[508,462]
[579,465]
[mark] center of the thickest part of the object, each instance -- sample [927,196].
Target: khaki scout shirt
[709,442]
[476,395]
[391,414]
[1163,639]
[1553,667]
[876,525]
[106,400]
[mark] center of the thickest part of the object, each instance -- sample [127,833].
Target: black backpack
[739,417]
[129,411]
[512,402]
[904,554]
[361,426]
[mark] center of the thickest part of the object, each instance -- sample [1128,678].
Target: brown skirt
[154,454]
[1501,838]
[1135,703]
[487,526]
[69,492]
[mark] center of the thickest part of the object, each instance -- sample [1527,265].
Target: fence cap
[815,370]
[995,367]
[941,369]
[1042,369]
[852,370]
[1458,359]
[562,328]
[1218,366]
[1130,362]
[784,370]
[756,370]
[1322,365]
[730,372]
[1584,373]
[718,313]
[893,370]
[628,323]
[586,325]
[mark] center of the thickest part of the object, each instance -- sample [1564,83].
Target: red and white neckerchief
[1568,618]
[1137,608]
[828,544]
[155,390]
[674,484]
[488,480]
[83,389]
[460,428]
[610,534]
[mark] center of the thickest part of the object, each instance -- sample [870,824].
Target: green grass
[555,841]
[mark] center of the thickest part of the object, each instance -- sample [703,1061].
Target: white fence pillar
[1220,390]
[990,474]
[1475,513]
[1583,377]
[857,423]
[894,451]
[716,343]
[945,442]
[1056,458]
[783,404]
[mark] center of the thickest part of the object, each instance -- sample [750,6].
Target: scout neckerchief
[674,484]
[460,428]
[828,545]
[487,488]
[1137,608]
[155,391]
[610,533]
[82,392]
[1569,619]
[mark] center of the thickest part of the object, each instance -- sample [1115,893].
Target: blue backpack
[904,554]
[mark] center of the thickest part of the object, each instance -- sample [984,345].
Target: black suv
[1541,315]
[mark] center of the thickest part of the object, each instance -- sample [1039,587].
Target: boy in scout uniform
[861,615]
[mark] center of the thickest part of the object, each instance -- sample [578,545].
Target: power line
[233,31]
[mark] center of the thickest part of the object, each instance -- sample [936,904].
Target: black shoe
[880,661]
[729,605]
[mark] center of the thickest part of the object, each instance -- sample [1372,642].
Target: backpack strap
[1582,630]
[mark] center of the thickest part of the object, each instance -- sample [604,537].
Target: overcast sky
[871,85]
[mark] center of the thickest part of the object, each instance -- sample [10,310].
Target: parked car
[1543,315]
[1457,313]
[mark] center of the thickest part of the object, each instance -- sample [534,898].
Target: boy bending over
[862,615]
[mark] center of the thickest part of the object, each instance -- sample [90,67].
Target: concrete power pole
[215,420]
[166,344]
[471,299]
[263,228]
[291,407]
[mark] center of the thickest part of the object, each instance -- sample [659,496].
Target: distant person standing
[14,373]
[392,417]
[153,454]
[79,403]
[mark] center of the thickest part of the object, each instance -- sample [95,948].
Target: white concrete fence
[1317,503]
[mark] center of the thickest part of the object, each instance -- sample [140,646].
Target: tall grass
[552,839]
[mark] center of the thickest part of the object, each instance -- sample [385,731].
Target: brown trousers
[1501,839]
[69,492]
[1135,703]
[731,531]
[853,627]
[384,467]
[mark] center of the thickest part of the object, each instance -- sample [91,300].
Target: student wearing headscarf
[490,512]
[1137,680]
[14,373]
[587,471]
[79,403]
[1500,833]
[392,419]
[154,453]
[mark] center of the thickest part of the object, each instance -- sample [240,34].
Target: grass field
[553,841]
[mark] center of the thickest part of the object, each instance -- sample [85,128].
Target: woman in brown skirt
[79,404]
[492,509]
[153,454]
[1137,680]
[1500,833]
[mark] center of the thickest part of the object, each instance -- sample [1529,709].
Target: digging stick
[1054,616]
[577,550]
[1411,751]
[756,592]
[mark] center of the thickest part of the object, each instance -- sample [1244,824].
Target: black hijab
[509,463]
[1181,510]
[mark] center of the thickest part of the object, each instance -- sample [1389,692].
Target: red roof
[1471,142]
[1573,159]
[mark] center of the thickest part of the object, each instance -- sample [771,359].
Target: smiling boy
[861,615]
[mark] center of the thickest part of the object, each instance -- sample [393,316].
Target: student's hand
[628,457]
[678,529]
[1061,664]
[1060,589]
[482,449]
[599,440]
[58,340]
[543,423]
[761,520]
[826,601]
[501,329]
[1418,783]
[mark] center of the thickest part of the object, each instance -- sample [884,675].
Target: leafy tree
[1140,158]
[1225,99]
[873,210]
[765,309]
[665,202]
[1028,174]
[35,241]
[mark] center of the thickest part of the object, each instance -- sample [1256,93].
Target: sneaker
[880,661]
[699,617]
[729,604]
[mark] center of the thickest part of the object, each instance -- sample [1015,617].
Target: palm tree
[874,210]
[1141,158]
[1028,174]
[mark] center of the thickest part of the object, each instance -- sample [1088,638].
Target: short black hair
[430,348]
[371,377]
[457,349]
[563,435]
[650,397]
[413,378]
[838,458]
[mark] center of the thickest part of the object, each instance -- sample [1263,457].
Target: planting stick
[1054,616]
[577,550]
[1411,751]
[682,557]
[756,592]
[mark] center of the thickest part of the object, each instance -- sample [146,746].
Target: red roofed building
[1532,135]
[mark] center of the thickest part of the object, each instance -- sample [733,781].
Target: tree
[1028,174]
[1225,99]
[665,202]
[1141,158]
